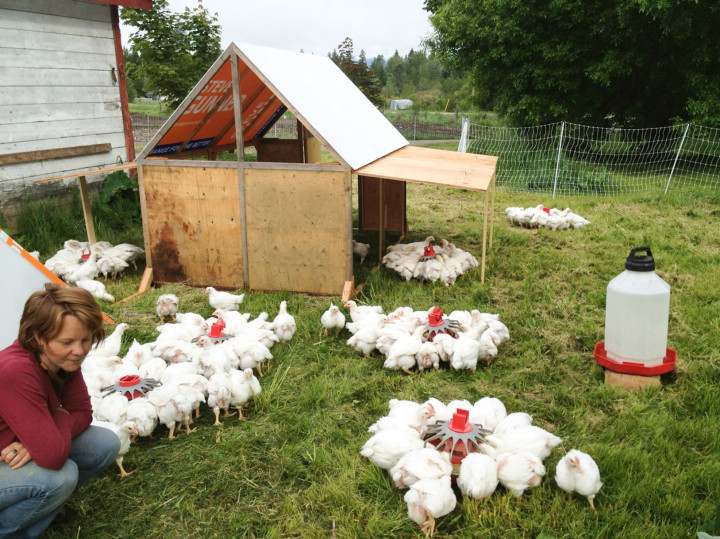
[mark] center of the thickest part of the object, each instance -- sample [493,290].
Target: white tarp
[400,104]
[330,105]
[20,276]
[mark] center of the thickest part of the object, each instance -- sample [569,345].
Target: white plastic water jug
[637,311]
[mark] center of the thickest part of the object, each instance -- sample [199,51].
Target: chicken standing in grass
[578,472]
[112,344]
[96,288]
[426,463]
[333,320]
[519,471]
[360,249]
[124,432]
[478,477]
[284,324]
[220,394]
[245,386]
[223,301]
[167,306]
[429,499]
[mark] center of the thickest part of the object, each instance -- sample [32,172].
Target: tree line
[625,63]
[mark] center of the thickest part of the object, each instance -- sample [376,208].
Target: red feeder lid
[459,421]
[546,210]
[429,251]
[628,367]
[216,330]
[435,317]
[85,254]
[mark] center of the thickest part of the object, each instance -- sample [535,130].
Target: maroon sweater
[29,408]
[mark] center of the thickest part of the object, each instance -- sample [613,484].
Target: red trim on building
[120,58]
[137,4]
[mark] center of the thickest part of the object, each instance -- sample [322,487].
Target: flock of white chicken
[80,263]
[540,216]
[445,262]
[401,336]
[190,368]
[511,456]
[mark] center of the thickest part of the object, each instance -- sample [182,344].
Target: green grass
[293,469]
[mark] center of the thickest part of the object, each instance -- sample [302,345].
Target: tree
[175,49]
[357,71]
[622,62]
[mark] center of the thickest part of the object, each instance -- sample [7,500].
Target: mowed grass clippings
[293,469]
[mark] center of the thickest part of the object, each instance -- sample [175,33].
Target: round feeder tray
[627,367]
[437,323]
[132,386]
[456,436]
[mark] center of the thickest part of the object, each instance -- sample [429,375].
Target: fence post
[557,163]
[415,117]
[462,146]
[677,155]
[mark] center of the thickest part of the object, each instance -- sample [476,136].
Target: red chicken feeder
[437,323]
[627,367]
[132,386]
[428,253]
[457,436]
[216,334]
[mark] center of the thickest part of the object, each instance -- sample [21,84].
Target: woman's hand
[15,455]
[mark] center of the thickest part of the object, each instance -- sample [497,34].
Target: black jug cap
[635,262]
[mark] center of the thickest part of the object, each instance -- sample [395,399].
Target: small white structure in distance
[400,104]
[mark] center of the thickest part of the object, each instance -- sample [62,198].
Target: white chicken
[428,499]
[137,354]
[364,340]
[250,353]
[478,477]
[224,301]
[86,270]
[426,463]
[519,471]
[111,345]
[401,355]
[333,320]
[167,306]
[514,420]
[143,414]
[578,472]
[487,413]
[357,312]
[532,438]
[112,408]
[96,288]
[219,394]
[386,447]
[427,356]
[124,432]
[173,407]
[360,249]
[284,324]
[245,386]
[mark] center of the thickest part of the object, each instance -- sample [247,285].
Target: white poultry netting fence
[571,159]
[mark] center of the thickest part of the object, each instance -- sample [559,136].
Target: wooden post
[85,200]
[237,105]
[381,205]
[484,242]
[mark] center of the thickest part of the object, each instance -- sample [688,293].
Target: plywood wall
[299,230]
[193,225]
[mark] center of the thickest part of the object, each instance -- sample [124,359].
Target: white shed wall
[57,90]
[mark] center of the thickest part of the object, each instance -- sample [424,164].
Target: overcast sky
[318,26]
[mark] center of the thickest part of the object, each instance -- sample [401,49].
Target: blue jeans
[31,496]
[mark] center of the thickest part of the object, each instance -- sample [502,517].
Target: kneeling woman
[47,447]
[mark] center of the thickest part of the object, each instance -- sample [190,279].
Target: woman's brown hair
[44,311]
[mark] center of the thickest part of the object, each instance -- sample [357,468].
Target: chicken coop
[285,221]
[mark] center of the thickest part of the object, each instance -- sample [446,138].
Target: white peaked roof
[272,80]
[328,103]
